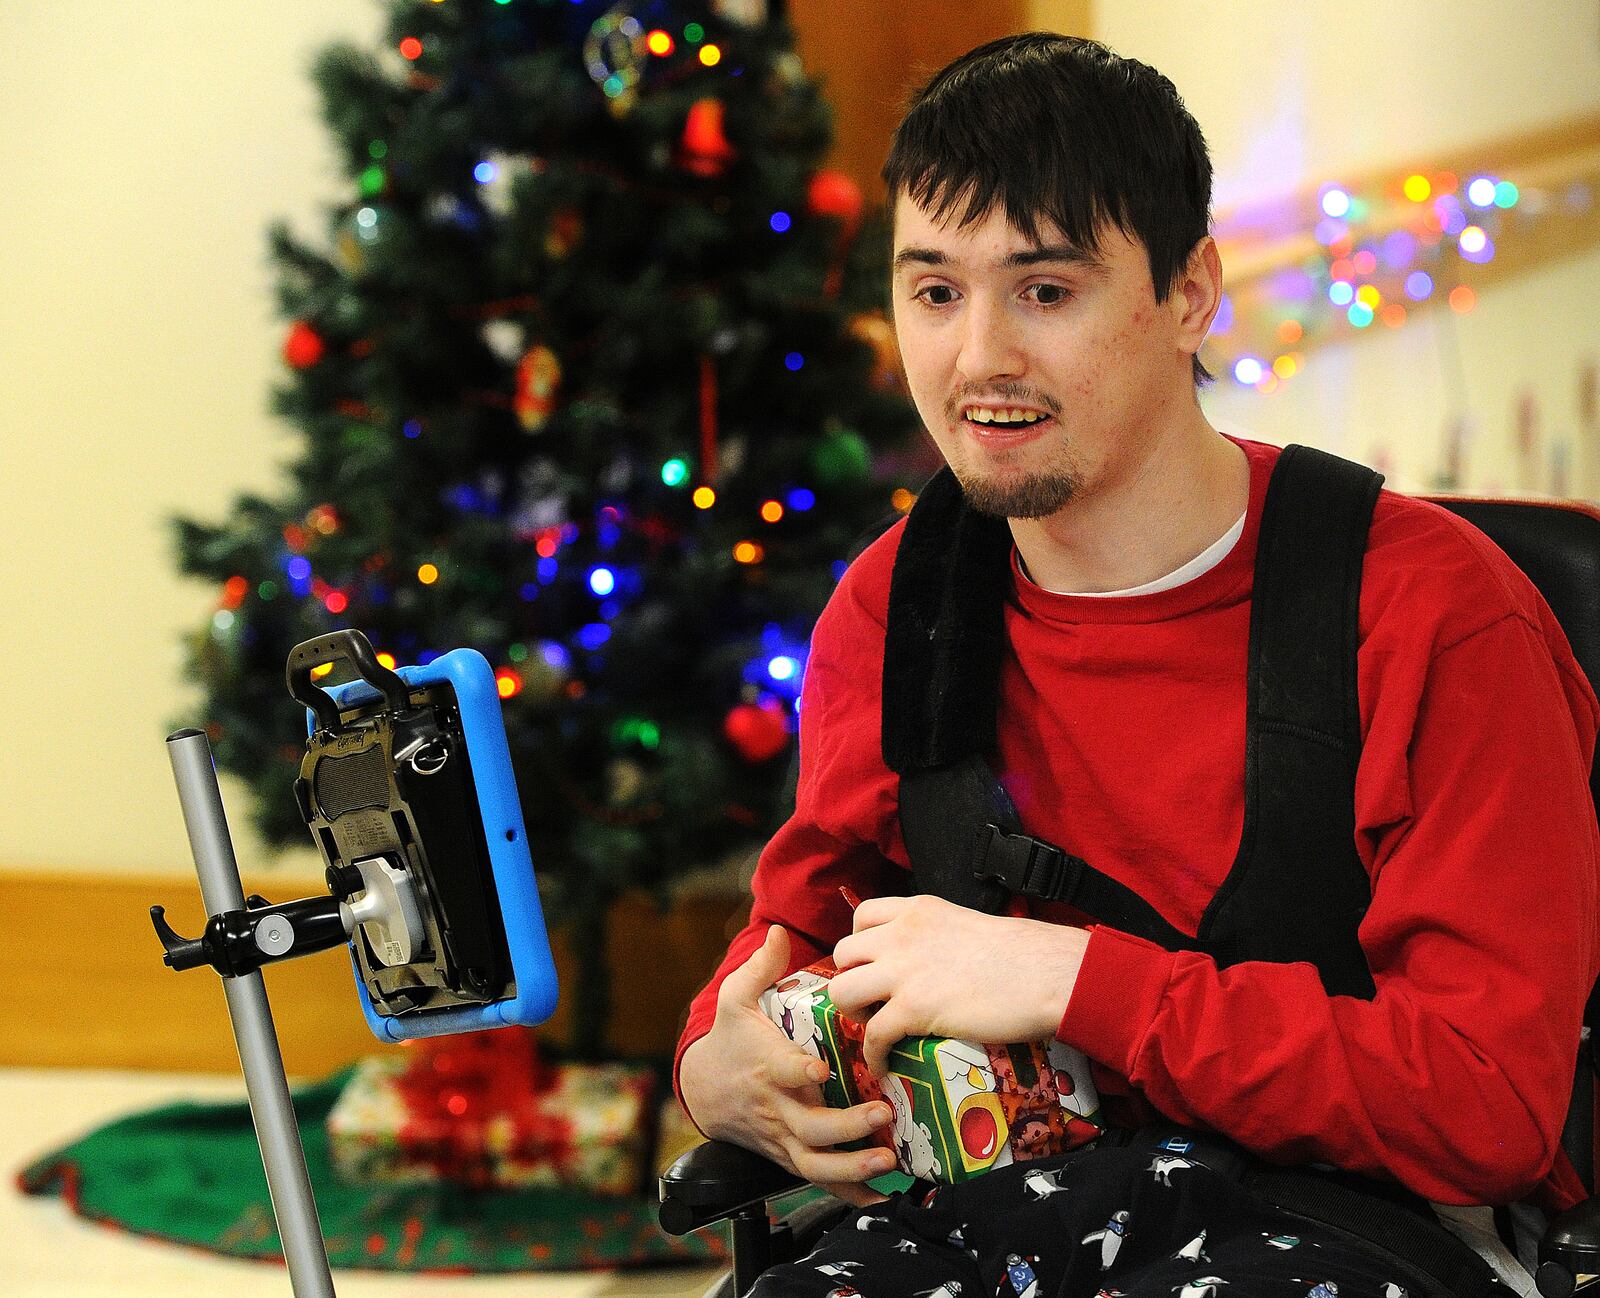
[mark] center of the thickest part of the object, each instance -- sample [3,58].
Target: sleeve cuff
[1116,996]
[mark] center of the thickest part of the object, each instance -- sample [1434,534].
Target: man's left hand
[937,969]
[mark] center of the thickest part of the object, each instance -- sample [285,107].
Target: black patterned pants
[1106,1222]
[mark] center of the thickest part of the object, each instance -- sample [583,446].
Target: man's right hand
[746,1082]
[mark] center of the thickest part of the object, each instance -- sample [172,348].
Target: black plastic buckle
[1026,865]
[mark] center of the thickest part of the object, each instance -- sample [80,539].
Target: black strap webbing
[1039,869]
[966,844]
[1298,890]
[946,631]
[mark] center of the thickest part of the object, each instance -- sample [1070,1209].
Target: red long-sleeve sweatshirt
[1122,730]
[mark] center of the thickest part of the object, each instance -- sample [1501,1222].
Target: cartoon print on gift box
[1074,1086]
[1392,1290]
[1205,1287]
[950,1289]
[1293,1241]
[1032,1136]
[1025,1083]
[842,1269]
[913,1142]
[791,1002]
[1110,1238]
[1327,1289]
[844,1291]
[862,1087]
[1019,1272]
[980,1119]
[1193,1251]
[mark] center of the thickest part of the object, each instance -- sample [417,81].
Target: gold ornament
[538,379]
[877,333]
[350,251]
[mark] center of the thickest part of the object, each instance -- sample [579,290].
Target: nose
[991,347]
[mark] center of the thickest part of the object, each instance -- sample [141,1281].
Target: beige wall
[1294,95]
[148,145]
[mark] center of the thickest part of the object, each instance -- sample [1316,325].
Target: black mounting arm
[241,941]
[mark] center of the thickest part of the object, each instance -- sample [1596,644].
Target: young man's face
[1041,372]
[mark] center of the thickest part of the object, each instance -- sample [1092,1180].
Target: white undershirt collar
[1207,559]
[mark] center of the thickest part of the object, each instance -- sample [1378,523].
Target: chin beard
[1036,496]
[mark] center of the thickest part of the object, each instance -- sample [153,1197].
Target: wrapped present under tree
[487,1112]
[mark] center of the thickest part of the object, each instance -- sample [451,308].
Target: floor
[52,1254]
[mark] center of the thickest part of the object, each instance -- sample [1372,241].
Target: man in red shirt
[1053,280]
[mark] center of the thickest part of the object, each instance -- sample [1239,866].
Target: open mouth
[997,424]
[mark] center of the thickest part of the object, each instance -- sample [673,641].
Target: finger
[767,963]
[853,993]
[885,1030]
[840,1165]
[877,910]
[856,949]
[791,1067]
[818,1126]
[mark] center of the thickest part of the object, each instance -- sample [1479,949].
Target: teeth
[981,415]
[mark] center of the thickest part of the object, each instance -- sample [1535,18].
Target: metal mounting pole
[270,1108]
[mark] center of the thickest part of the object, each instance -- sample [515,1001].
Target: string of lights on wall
[1350,259]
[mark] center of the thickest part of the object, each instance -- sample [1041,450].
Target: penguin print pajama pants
[1095,1223]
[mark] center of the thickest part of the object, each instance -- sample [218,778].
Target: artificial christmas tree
[591,372]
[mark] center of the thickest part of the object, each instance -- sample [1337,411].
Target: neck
[1140,518]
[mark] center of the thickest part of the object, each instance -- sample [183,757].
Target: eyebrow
[1050,253]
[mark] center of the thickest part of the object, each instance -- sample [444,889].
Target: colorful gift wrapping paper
[960,1108]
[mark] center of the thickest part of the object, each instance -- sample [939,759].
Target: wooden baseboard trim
[89,989]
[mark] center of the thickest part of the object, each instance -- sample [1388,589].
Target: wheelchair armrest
[1570,1248]
[718,1180]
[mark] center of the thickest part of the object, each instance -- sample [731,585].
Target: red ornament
[303,347]
[759,731]
[703,149]
[832,193]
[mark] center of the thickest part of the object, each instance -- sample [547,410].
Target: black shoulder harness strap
[1297,889]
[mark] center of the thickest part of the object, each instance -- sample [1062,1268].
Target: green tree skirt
[192,1174]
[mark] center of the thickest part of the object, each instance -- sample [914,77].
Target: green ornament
[841,458]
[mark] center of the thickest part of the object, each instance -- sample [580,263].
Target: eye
[936,295]
[1048,294]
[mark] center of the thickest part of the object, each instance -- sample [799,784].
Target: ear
[1198,294]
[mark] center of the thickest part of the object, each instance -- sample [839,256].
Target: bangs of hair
[1054,128]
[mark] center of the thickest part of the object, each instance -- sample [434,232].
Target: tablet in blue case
[408,790]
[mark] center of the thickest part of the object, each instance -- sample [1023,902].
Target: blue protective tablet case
[468,673]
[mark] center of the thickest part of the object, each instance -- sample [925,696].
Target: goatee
[1037,495]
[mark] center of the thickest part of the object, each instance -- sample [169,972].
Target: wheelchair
[1557,544]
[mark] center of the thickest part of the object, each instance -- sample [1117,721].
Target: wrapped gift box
[442,1113]
[960,1108]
